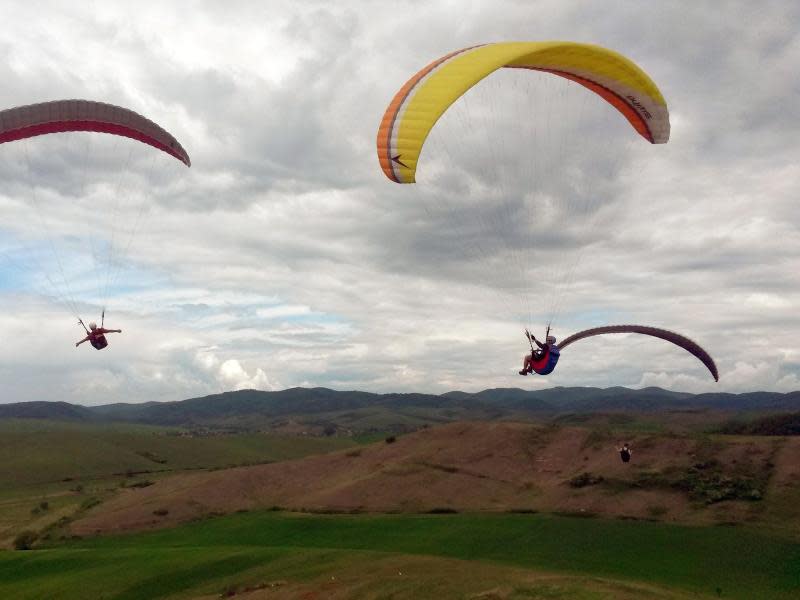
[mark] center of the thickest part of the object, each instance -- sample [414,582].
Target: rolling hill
[318,409]
[497,467]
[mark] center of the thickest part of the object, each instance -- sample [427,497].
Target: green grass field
[251,549]
[66,464]
[44,451]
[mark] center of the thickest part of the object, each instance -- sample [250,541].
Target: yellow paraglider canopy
[415,109]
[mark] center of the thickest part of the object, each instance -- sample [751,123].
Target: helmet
[551,339]
[92,325]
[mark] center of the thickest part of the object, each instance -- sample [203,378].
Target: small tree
[25,540]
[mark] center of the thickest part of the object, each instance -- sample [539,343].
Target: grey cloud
[285,203]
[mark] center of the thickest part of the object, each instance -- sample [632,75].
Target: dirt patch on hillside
[459,466]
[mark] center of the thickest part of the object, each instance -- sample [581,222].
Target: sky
[284,257]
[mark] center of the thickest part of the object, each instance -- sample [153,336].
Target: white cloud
[233,375]
[283,257]
[277,312]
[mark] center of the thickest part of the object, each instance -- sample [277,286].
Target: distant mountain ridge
[58,411]
[253,408]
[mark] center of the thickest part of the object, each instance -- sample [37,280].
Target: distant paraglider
[625,452]
[96,335]
[71,116]
[86,115]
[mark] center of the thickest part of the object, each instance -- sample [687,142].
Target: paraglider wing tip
[670,336]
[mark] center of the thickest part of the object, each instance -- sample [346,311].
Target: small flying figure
[96,335]
[625,452]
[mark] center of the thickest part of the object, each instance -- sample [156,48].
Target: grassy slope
[48,461]
[44,452]
[208,556]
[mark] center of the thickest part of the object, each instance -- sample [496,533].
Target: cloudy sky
[285,258]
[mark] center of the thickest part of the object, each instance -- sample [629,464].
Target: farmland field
[406,556]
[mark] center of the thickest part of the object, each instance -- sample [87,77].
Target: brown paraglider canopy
[669,336]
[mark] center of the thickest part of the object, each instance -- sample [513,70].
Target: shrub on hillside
[585,479]
[152,456]
[40,508]
[786,424]
[51,530]
[25,540]
[707,482]
[140,484]
[89,503]
[709,485]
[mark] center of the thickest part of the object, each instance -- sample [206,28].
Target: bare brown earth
[464,467]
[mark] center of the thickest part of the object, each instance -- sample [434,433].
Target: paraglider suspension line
[80,321]
[102,321]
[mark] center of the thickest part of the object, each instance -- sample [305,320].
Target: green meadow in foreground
[252,549]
